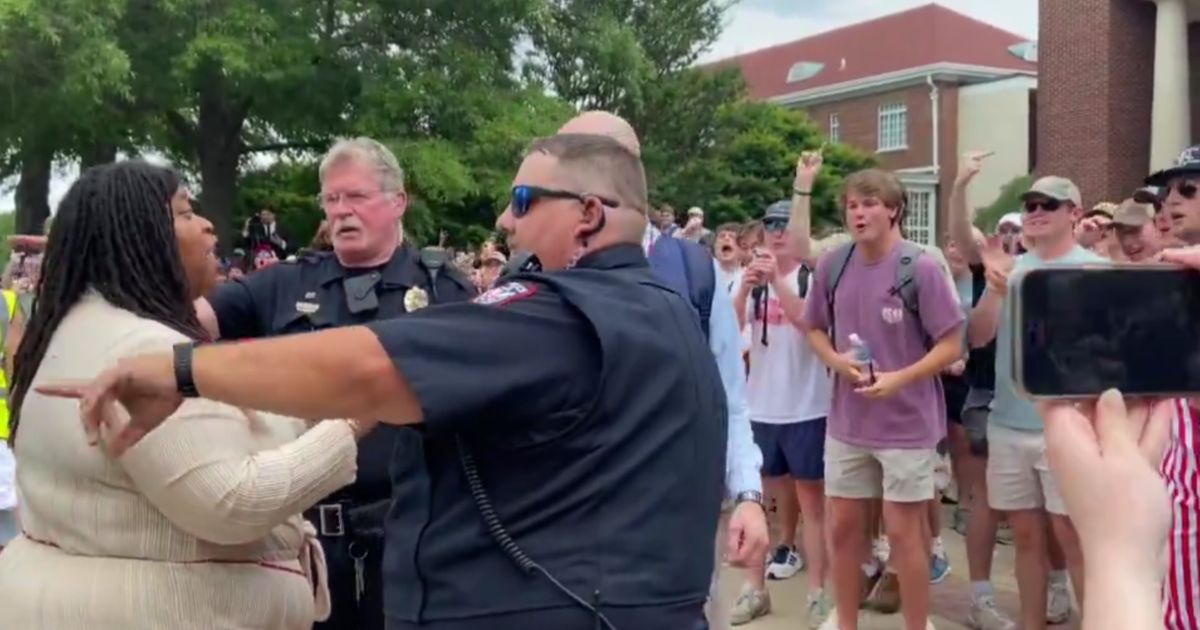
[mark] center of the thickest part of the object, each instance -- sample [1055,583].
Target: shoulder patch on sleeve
[506,293]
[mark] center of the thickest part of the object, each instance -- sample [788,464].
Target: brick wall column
[1095,91]
[1171,120]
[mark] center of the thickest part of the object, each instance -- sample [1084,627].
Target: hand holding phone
[1078,331]
[763,265]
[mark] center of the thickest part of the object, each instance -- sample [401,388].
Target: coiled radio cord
[491,521]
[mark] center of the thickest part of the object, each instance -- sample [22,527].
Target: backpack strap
[839,259]
[907,287]
[802,276]
[906,277]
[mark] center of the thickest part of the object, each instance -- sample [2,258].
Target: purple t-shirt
[915,416]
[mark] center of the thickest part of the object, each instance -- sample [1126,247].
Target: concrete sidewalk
[951,598]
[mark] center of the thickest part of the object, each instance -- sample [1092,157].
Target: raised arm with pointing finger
[961,215]
[800,222]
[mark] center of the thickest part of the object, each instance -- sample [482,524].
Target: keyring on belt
[360,579]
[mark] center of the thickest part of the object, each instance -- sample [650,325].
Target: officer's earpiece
[590,208]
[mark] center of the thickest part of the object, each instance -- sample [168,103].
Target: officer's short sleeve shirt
[240,305]
[516,357]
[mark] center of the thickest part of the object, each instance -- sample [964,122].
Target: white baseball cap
[1012,218]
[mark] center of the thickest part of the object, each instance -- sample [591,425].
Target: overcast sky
[754,24]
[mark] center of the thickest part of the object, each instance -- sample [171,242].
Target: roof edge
[942,71]
[932,6]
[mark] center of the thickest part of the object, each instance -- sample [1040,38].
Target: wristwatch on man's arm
[752,496]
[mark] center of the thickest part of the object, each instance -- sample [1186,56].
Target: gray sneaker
[819,608]
[985,615]
[750,605]
[1058,603]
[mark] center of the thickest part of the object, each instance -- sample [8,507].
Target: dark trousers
[673,617]
[352,611]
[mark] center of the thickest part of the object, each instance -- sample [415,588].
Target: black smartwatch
[184,383]
[752,496]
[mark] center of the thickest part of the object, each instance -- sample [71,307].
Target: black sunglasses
[774,225]
[523,198]
[1049,205]
[1186,189]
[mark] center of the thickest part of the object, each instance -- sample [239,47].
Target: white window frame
[920,220]
[835,128]
[893,127]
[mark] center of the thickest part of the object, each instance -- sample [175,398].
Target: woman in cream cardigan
[198,526]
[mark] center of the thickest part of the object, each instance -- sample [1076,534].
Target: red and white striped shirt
[1181,469]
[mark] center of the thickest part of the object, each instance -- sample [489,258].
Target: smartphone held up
[1080,330]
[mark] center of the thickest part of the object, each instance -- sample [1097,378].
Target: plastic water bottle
[859,349]
[862,354]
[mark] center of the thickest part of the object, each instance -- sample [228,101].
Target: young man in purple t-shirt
[886,418]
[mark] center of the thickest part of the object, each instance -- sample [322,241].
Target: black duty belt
[330,519]
[355,519]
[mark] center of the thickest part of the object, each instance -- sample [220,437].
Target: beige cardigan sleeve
[203,470]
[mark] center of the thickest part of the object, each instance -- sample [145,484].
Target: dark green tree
[751,162]
[61,73]
[1009,200]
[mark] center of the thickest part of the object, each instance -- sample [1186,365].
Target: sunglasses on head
[523,198]
[1049,205]
[1185,188]
[775,225]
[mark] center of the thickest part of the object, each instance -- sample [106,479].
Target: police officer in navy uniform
[369,276]
[574,424]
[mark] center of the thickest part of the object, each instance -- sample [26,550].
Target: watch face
[750,495]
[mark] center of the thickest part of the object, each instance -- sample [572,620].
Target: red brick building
[1116,83]
[891,86]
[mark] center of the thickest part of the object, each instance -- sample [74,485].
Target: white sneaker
[750,605]
[881,549]
[985,615]
[783,563]
[831,622]
[819,607]
[1058,603]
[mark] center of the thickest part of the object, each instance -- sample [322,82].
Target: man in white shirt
[789,394]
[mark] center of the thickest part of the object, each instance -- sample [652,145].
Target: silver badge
[415,299]
[307,308]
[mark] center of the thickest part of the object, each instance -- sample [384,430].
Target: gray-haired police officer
[557,485]
[366,278]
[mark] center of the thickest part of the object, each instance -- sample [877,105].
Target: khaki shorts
[1018,477]
[899,475]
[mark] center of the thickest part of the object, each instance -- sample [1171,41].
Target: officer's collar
[403,269]
[612,257]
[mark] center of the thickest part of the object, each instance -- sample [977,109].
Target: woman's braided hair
[114,233]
